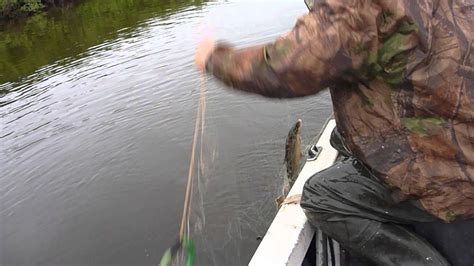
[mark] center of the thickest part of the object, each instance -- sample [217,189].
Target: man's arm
[321,48]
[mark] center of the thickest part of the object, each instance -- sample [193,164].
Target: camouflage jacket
[401,78]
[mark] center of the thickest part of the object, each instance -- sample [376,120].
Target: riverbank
[97,108]
[11,9]
[29,44]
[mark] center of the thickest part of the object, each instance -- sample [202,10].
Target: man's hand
[202,53]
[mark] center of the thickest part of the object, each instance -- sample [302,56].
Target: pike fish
[294,160]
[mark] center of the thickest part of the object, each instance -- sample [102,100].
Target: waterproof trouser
[351,205]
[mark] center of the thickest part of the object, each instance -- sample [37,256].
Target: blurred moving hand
[202,52]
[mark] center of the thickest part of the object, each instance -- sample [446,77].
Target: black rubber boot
[378,242]
[392,244]
[351,205]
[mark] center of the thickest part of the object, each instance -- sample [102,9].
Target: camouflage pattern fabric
[401,78]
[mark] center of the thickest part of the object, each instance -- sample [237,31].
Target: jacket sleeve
[323,46]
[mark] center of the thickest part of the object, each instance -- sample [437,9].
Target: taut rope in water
[199,126]
[183,252]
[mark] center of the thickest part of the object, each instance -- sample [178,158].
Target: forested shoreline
[11,9]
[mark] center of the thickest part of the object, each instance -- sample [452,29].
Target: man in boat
[401,77]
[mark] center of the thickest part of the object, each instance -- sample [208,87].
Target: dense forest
[15,8]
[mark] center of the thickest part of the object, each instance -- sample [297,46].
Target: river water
[97,110]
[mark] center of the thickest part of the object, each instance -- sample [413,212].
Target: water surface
[97,109]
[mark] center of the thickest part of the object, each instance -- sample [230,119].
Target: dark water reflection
[62,33]
[97,110]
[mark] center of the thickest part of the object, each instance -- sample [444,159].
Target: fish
[294,160]
[293,154]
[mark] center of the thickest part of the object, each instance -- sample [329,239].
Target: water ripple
[95,144]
